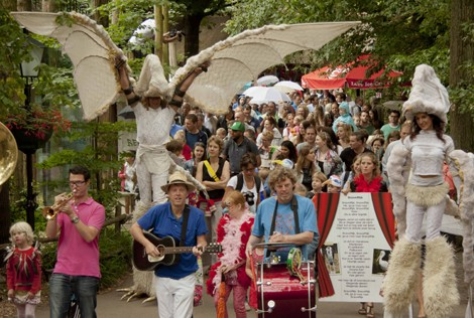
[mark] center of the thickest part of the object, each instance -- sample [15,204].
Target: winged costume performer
[101,78]
[415,170]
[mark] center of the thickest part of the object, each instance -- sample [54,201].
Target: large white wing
[91,51]
[241,58]
[461,166]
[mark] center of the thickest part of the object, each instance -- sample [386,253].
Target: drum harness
[294,259]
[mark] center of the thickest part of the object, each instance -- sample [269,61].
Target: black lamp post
[29,71]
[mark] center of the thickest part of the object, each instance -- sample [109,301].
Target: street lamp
[29,71]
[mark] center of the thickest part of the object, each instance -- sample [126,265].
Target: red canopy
[355,78]
[325,78]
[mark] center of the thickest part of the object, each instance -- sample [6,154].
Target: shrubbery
[115,255]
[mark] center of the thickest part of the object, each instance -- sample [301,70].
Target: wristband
[133,100]
[176,103]
[128,91]
[179,93]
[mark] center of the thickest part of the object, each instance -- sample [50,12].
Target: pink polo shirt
[75,256]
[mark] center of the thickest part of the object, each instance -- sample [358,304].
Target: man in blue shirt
[278,222]
[174,284]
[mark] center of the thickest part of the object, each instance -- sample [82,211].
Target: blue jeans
[61,288]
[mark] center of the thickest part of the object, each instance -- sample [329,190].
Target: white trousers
[152,169]
[175,297]
[415,215]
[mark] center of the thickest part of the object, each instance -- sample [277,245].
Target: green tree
[398,34]
[460,76]
[12,52]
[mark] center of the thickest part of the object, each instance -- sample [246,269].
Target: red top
[227,236]
[187,152]
[24,270]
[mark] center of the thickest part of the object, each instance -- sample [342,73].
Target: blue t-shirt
[163,222]
[285,221]
[191,138]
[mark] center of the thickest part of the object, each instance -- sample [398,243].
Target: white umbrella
[267,80]
[251,90]
[288,86]
[264,95]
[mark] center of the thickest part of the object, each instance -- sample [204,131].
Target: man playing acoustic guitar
[174,283]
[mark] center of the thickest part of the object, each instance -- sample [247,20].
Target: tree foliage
[12,51]
[399,34]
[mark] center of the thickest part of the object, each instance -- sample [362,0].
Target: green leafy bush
[115,256]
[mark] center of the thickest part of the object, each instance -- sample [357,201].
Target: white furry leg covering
[399,283]
[142,280]
[440,292]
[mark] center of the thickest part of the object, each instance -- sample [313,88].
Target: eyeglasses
[76,183]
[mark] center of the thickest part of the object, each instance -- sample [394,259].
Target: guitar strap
[294,208]
[184,226]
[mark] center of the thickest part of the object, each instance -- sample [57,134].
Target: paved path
[110,306]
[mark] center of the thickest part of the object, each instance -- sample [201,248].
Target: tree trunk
[48,5]
[191,29]
[10,5]
[462,53]
[23,5]
[101,19]
[5,215]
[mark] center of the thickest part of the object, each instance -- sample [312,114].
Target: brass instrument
[49,212]
[8,154]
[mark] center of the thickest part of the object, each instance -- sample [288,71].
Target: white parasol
[288,86]
[267,80]
[264,95]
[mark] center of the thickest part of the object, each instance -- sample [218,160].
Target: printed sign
[357,244]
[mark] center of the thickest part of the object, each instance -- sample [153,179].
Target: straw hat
[178,178]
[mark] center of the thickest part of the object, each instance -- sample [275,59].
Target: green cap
[238,126]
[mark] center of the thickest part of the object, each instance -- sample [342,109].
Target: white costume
[152,161]
[423,192]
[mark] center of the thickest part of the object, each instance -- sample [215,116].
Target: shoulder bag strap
[211,171]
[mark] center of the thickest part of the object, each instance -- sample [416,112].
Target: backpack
[240,183]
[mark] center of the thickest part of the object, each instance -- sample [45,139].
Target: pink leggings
[240,294]
[26,310]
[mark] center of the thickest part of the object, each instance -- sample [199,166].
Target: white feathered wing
[234,61]
[91,51]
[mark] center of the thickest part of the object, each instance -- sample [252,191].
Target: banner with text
[358,244]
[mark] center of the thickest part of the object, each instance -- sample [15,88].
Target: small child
[334,184]
[221,133]
[318,180]
[301,190]
[354,172]
[23,271]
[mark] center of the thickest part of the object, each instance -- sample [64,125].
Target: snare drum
[289,297]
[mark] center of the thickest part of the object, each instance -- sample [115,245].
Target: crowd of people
[270,157]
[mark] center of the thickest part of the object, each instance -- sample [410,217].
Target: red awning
[325,78]
[355,78]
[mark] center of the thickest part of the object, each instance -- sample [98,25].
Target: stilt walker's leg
[399,283]
[439,279]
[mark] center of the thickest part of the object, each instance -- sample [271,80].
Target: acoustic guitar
[169,252]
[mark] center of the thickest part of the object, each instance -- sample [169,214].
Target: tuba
[8,154]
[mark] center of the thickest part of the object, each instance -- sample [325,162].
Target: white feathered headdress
[428,95]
